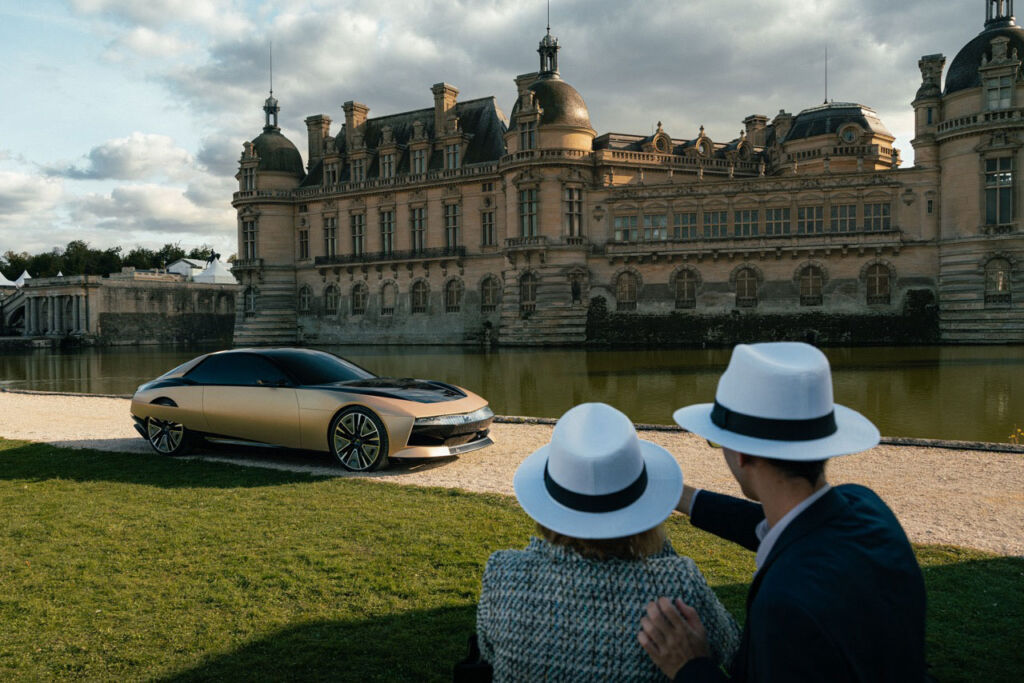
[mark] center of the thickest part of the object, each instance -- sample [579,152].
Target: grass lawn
[134,567]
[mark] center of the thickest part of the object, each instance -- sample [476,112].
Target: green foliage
[77,258]
[118,566]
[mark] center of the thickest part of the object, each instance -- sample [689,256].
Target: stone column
[52,310]
[27,330]
[60,314]
[77,313]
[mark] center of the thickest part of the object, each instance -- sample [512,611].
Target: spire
[548,50]
[999,13]
[270,106]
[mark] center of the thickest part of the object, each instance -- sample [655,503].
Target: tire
[167,437]
[358,440]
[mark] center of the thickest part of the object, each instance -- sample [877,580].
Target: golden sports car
[312,400]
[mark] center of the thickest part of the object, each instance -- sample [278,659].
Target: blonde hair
[635,547]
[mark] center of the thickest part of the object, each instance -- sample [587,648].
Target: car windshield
[317,367]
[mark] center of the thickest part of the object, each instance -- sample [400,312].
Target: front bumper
[480,440]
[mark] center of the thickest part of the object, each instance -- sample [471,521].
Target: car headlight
[484,413]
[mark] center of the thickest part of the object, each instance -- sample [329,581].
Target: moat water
[961,393]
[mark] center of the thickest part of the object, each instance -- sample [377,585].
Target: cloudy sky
[124,119]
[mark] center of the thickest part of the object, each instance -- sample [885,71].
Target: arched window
[419,296]
[359,297]
[249,300]
[686,289]
[625,292]
[388,297]
[453,296]
[527,294]
[746,288]
[879,288]
[489,293]
[331,300]
[997,281]
[811,281]
[305,297]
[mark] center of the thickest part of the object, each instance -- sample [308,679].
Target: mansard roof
[828,118]
[963,72]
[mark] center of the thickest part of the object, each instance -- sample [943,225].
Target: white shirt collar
[768,537]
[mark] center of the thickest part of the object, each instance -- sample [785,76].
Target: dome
[828,119]
[560,102]
[277,153]
[963,72]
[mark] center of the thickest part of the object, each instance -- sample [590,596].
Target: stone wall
[159,328]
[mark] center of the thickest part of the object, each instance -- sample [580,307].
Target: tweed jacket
[547,613]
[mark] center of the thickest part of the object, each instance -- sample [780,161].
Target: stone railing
[246,264]
[606,156]
[388,256]
[829,240]
[529,242]
[998,116]
[403,180]
[546,155]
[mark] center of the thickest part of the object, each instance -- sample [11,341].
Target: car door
[245,396]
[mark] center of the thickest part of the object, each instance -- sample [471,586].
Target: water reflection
[937,392]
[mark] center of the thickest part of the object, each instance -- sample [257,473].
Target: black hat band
[774,429]
[607,502]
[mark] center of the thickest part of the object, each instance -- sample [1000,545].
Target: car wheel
[166,437]
[358,440]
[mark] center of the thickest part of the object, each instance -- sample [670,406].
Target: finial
[702,130]
[826,74]
[549,17]
[271,68]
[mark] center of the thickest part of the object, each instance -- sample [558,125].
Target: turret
[928,110]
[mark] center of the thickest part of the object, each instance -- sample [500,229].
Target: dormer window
[451,156]
[248,178]
[358,170]
[848,135]
[419,161]
[998,92]
[387,165]
[331,174]
[527,135]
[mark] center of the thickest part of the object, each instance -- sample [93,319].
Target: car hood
[416,390]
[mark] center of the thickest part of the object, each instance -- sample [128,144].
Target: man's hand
[672,635]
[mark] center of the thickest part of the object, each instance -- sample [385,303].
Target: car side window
[236,369]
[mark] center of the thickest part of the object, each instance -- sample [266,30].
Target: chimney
[318,128]
[444,103]
[355,122]
[783,122]
[524,81]
[756,126]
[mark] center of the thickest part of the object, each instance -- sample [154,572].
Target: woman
[567,606]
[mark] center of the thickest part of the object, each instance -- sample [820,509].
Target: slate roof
[963,72]
[829,118]
[560,102]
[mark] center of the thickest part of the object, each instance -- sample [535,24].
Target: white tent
[4,282]
[60,273]
[216,273]
[21,279]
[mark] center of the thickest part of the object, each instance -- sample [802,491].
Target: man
[838,594]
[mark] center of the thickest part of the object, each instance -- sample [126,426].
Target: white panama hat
[775,400]
[597,479]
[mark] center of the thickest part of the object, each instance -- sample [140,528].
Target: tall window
[745,223]
[358,170]
[487,187]
[249,301]
[387,232]
[387,165]
[388,298]
[810,220]
[248,240]
[419,295]
[573,211]
[330,174]
[305,298]
[451,156]
[844,218]
[487,229]
[776,221]
[489,293]
[303,244]
[453,296]
[625,292]
[360,294]
[685,226]
[358,222]
[999,191]
[746,288]
[686,289]
[419,161]
[527,294]
[655,227]
[451,225]
[331,300]
[998,91]
[418,221]
[878,284]
[876,217]
[528,212]
[811,281]
[626,229]
[331,235]
[249,178]
[997,281]
[527,134]
[715,223]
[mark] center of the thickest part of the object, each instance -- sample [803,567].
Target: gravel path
[961,497]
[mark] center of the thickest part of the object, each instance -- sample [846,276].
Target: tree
[141,258]
[204,252]
[168,254]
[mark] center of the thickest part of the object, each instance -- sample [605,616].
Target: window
[626,229]
[746,288]
[878,284]
[358,222]
[487,187]
[249,301]
[527,294]
[745,223]
[419,296]
[655,227]
[388,298]
[305,298]
[453,296]
[248,240]
[418,222]
[303,244]
[451,225]
[451,156]
[528,212]
[487,229]
[876,217]
[249,178]
[573,211]
[999,92]
[810,220]
[331,300]
[685,226]
[419,161]
[999,191]
[811,280]
[527,135]
[489,292]
[331,174]
[625,292]
[387,232]
[844,218]
[931,206]
[359,296]
[997,281]
[387,165]
[930,116]
[715,223]
[358,170]
[776,221]
[686,289]
[236,369]
[331,235]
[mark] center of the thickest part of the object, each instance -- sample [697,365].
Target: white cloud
[145,42]
[151,208]
[140,156]
[211,15]
[24,200]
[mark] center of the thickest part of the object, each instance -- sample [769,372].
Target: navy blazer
[840,596]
